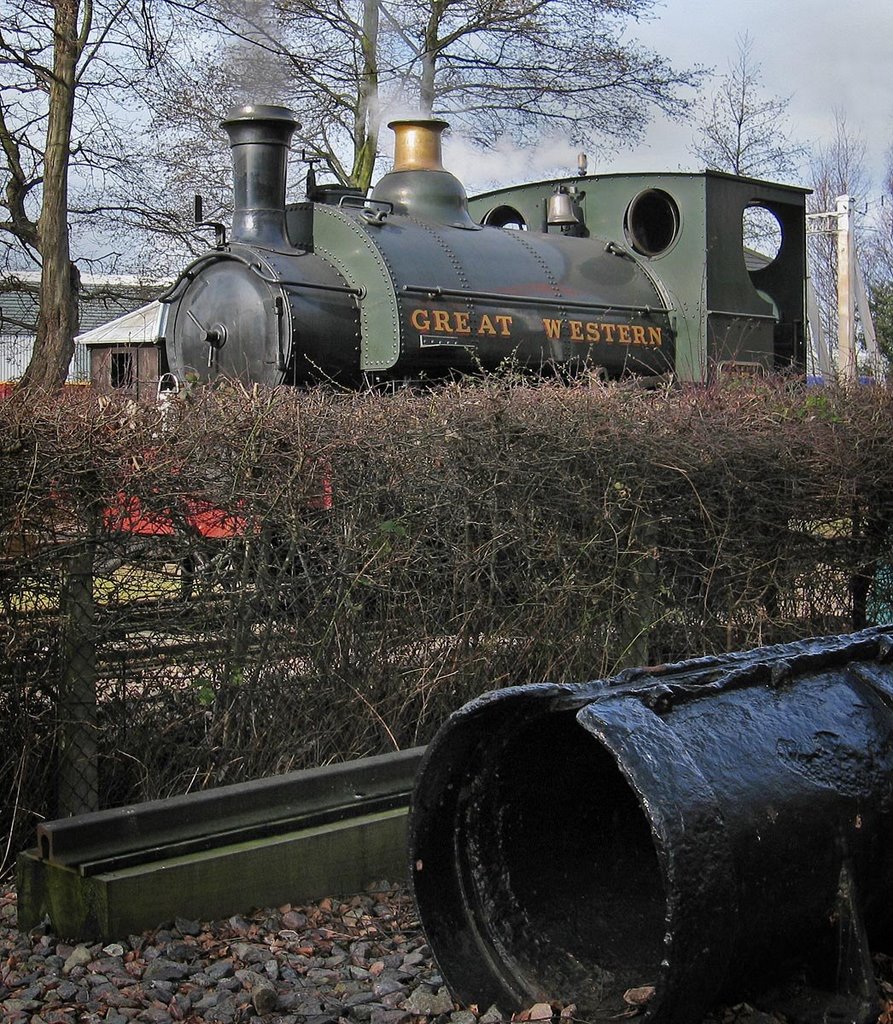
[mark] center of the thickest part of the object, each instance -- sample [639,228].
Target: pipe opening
[560,869]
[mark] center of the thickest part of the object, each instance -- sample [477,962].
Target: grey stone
[385,1016]
[361,1012]
[103,990]
[160,989]
[31,992]
[220,969]
[186,927]
[156,1015]
[182,1001]
[264,997]
[168,975]
[162,969]
[294,920]
[21,1005]
[179,950]
[322,1018]
[384,986]
[80,956]
[427,1003]
[246,976]
[294,1003]
[359,952]
[358,998]
[208,1000]
[251,953]
[322,975]
[224,1012]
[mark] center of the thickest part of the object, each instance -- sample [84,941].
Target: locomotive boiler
[622,273]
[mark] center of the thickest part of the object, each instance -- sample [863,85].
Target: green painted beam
[113,838]
[339,857]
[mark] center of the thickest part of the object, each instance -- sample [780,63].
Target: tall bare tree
[743,129]
[321,59]
[490,66]
[877,256]
[58,58]
[528,66]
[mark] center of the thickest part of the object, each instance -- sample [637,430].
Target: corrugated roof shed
[139,327]
[103,298]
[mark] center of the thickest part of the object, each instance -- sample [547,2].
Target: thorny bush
[260,581]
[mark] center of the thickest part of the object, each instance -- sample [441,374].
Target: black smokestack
[259,135]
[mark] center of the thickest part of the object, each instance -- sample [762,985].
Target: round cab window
[763,236]
[652,222]
[504,217]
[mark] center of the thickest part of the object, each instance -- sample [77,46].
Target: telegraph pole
[846,295]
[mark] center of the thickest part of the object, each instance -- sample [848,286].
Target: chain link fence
[260,582]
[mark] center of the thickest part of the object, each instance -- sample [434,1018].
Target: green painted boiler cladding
[644,274]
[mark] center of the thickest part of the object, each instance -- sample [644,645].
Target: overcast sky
[823,55]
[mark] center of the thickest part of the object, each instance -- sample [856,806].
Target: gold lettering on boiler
[594,332]
[446,321]
[454,324]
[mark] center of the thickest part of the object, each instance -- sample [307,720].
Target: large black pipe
[716,830]
[259,135]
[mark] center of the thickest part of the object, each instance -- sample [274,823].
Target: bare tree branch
[743,130]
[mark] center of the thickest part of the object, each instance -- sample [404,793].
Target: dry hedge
[390,556]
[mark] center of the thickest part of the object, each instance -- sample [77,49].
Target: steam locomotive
[643,274]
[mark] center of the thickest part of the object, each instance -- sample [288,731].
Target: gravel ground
[361,960]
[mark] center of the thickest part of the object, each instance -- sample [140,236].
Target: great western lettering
[448,321]
[453,325]
[595,332]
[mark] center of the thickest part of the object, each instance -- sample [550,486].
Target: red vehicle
[211,531]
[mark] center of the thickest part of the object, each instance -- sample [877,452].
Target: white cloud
[506,163]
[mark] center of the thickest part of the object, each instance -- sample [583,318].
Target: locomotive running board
[208,855]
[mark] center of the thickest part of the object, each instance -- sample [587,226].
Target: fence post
[637,575]
[78,790]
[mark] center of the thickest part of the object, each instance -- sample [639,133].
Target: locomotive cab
[737,304]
